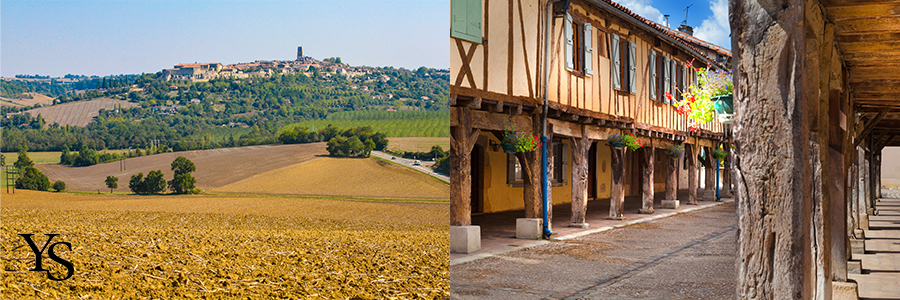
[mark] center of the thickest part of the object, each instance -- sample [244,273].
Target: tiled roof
[661,29]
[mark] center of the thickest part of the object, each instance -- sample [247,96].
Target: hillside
[215,168]
[77,113]
[29,99]
[343,177]
[299,169]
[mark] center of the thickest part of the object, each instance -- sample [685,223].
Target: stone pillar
[691,152]
[862,187]
[671,183]
[580,149]
[647,188]
[772,137]
[617,188]
[853,230]
[866,175]
[464,238]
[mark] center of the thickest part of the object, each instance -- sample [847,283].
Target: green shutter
[466,20]
[667,81]
[632,65]
[615,66]
[652,74]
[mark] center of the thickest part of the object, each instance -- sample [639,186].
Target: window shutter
[632,67]
[588,50]
[684,77]
[564,177]
[678,81]
[570,44]
[616,65]
[510,168]
[652,74]
[466,23]
[667,82]
[673,65]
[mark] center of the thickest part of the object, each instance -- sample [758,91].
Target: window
[579,49]
[466,23]
[557,166]
[624,67]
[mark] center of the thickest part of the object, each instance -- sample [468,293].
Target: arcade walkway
[880,278]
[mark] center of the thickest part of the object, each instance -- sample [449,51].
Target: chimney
[686,29]
[666,20]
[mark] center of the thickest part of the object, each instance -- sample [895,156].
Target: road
[686,256]
[424,168]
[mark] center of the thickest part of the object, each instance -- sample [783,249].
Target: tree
[183,182]
[112,182]
[23,161]
[136,182]
[59,186]
[66,158]
[32,179]
[152,184]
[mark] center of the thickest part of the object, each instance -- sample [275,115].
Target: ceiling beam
[885,24]
[869,126]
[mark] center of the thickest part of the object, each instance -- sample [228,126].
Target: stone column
[617,188]
[691,152]
[853,230]
[862,187]
[671,183]
[580,149]
[464,238]
[866,175]
[772,135]
[646,155]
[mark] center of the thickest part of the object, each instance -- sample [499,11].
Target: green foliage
[86,157]
[436,153]
[23,161]
[112,182]
[30,178]
[153,184]
[443,166]
[183,182]
[352,142]
[59,186]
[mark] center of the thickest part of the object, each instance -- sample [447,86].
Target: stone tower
[299,52]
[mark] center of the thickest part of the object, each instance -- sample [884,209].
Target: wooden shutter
[563,151]
[652,74]
[632,67]
[510,168]
[679,71]
[667,81]
[588,50]
[617,62]
[674,66]
[466,23]
[570,43]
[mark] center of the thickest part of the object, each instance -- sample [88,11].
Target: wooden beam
[869,126]
[453,99]
[498,108]
[868,25]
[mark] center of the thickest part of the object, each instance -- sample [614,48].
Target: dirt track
[215,168]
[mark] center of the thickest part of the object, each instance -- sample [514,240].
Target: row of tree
[182,182]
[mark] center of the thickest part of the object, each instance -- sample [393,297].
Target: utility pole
[686,14]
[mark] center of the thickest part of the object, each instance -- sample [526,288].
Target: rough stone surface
[528,228]
[671,204]
[844,291]
[465,239]
[854,267]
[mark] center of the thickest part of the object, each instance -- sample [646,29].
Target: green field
[394,124]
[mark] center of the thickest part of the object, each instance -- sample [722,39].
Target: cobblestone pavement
[686,256]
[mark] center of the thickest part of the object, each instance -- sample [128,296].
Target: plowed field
[180,247]
[343,177]
[78,113]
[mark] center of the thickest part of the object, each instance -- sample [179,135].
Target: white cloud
[715,29]
[644,9]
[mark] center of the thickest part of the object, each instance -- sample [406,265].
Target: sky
[709,18]
[111,37]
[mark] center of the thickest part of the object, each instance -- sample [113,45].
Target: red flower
[669,95]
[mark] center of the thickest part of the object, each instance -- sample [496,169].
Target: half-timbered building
[574,73]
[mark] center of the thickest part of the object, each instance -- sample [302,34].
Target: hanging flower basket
[724,108]
[676,151]
[624,140]
[517,141]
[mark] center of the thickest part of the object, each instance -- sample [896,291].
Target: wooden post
[617,189]
[531,177]
[690,151]
[462,140]
[726,173]
[709,189]
[672,178]
[876,181]
[580,149]
[647,189]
